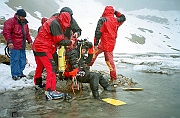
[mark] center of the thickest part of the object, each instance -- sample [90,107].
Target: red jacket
[51,33]
[106,30]
[13,33]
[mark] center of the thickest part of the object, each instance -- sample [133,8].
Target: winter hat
[21,12]
[67,9]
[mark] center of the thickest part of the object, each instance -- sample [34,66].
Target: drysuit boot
[68,97]
[105,84]
[96,94]
[94,82]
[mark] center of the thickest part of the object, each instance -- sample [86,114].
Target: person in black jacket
[76,30]
[77,66]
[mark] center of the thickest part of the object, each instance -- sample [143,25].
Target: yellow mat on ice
[132,89]
[114,101]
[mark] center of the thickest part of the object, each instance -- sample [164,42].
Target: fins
[114,101]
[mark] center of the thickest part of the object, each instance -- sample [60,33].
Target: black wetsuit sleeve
[75,27]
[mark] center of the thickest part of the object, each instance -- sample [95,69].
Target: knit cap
[21,12]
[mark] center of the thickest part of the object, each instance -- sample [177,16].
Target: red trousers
[109,61]
[46,61]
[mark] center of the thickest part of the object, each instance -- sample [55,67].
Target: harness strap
[74,84]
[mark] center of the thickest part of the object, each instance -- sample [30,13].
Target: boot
[96,94]
[39,84]
[16,78]
[68,97]
[114,83]
[50,95]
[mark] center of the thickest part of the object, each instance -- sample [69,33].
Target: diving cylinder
[61,59]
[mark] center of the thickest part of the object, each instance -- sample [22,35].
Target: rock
[2,20]
[31,74]
[4,59]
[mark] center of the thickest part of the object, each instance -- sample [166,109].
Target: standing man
[16,32]
[105,38]
[50,35]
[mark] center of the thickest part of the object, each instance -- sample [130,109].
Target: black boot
[39,83]
[68,97]
[96,94]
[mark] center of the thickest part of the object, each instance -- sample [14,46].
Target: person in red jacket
[16,32]
[50,35]
[43,20]
[105,38]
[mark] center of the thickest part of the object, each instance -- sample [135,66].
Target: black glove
[61,77]
[68,32]
[89,44]
[64,42]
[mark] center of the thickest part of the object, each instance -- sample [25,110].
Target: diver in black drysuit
[77,60]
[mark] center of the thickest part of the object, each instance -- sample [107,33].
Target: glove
[89,44]
[90,50]
[81,73]
[64,42]
[73,73]
[117,13]
[68,32]
[61,76]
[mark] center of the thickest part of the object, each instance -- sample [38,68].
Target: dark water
[159,99]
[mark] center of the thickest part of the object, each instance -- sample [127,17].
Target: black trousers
[94,79]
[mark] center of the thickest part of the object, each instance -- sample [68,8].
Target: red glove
[73,73]
[90,50]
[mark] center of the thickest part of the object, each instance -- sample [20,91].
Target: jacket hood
[65,19]
[109,10]
[43,20]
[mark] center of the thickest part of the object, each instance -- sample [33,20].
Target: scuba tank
[61,59]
